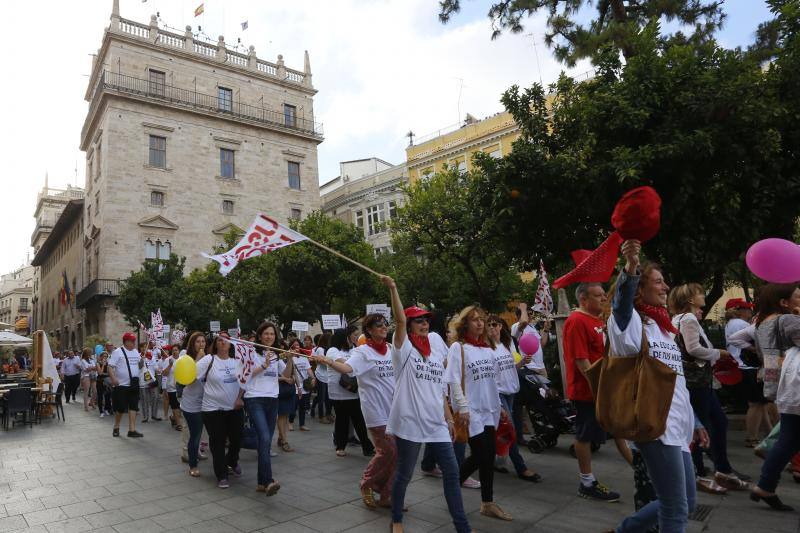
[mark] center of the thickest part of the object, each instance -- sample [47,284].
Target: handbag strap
[205,378]
[463,385]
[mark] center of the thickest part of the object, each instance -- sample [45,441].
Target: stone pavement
[76,477]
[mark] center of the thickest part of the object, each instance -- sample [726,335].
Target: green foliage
[157,285]
[616,22]
[93,340]
[703,125]
[445,247]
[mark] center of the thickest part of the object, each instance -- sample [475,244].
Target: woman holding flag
[258,372]
[372,364]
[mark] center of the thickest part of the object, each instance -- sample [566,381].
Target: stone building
[185,141]
[16,293]
[367,193]
[455,146]
[59,260]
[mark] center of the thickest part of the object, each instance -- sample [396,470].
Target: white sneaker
[273,453]
[102,415]
[470,483]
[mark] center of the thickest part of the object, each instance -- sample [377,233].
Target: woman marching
[345,397]
[303,371]
[508,386]
[192,406]
[87,368]
[639,308]
[259,388]
[420,413]
[222,409]
[371,363]
[472,375]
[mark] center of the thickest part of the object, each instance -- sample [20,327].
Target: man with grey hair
[584,342]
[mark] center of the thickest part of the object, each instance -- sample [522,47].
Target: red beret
[637,215]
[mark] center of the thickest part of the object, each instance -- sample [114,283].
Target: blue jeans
[263,413]
[428,458]
[785,447]
[407,453]
[507,402]
[672,473]
[195,423]
[707,408]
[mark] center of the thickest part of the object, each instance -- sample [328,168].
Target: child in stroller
[550,415]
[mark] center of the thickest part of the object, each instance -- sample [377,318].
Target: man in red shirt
[583,345]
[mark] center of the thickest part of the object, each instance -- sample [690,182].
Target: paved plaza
[74,476]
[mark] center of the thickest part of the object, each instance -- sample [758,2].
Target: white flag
[543,302]
[264,235]
[245,353]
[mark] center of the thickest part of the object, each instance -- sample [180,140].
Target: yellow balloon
[362,339]
[517,357]
[185,370]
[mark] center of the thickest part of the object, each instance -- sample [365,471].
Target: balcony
[98,288]
[205,103]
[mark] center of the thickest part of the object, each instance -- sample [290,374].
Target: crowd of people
[455,396]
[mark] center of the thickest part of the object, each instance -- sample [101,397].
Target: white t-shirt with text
[335,391]
[265,384]
[537,361]
[117,362]
[507,376]
[222,386]
[375,374]
[480,382]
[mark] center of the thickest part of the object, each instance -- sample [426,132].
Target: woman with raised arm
[371,363]
[420,413]
[639,308]
[472,369]
[259,388]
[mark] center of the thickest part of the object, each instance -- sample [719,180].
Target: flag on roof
[244,25]
[199,10]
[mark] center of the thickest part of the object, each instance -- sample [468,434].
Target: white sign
[382,309]
[233,333]
[299,326]
[166,329]
[331,322]
[214,326]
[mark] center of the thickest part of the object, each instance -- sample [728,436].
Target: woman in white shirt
[686,302]
[508,387]
[472,357]
[639,307]
[322,400]
[303,371]
[222,409]
[258,379]
[420,413]
[371,363]
[87,367]
[346,402]
[192,406]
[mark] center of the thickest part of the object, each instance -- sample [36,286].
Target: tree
[445,246]
[157,285]
[616,22]
[703,125]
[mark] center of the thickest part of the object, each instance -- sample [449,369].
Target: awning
[9,338]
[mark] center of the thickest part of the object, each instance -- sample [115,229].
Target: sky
[382,68]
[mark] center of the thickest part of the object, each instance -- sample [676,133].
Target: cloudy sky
[382,68]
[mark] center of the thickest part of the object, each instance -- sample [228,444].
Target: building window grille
[227,207]
[296,214]
[294,175]
[158,151]
[226,163]
[158,81]
[225,99]
[289,115]
[157,198]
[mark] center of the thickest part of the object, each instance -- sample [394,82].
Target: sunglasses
[494,325]
[378,324]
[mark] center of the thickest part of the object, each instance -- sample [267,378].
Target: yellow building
[455,146]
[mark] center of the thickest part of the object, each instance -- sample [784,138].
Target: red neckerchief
[475,342]
[380,347]
[421,343]
[659,315]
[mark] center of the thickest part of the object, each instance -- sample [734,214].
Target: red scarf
[475,342]
[421,343]
[380,347]
[659,315]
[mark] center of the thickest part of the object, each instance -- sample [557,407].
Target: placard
[299,326]
[383,309]
[233,333]
[166,329]
[214,326]
[331,322]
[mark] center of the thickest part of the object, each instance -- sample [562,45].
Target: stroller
[550,415]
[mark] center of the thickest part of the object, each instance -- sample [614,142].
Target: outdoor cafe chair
[18,400]
[54,401]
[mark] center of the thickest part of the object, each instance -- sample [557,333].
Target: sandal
[710,486]
[493,510]
[194,472]
[273,488]
[178,427]
[285,447]
[730,481]
[342,453]
[368,497]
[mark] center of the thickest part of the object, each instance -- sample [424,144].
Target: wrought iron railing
[205,102]
[97,288]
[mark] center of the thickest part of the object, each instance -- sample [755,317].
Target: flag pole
[353,261]
[270,348]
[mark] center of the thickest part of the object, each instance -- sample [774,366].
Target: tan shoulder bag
[632,395]
[461,423]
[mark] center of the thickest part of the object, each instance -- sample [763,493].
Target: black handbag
[697,372]
[348,383]
[285,390]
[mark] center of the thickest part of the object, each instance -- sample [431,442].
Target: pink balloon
[529,344]
[774,260]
